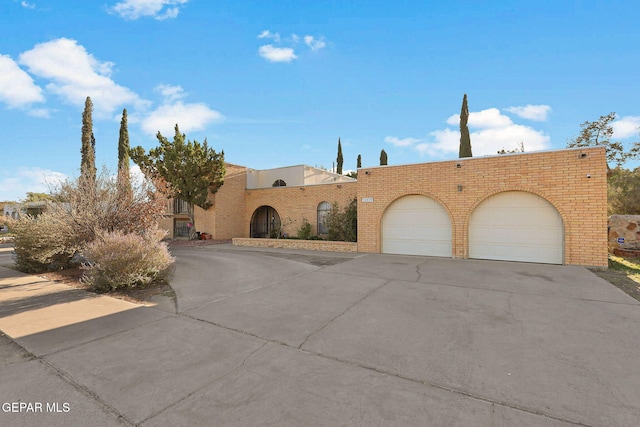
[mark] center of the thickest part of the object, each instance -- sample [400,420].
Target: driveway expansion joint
[66,377]
[367,295]
[448,389]
[383,371]
[204,386]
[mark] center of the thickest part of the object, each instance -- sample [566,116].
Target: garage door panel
[516,226]
[416,225]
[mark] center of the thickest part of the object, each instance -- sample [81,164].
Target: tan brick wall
[295,203]
[560,177]
[312,245]
[223,219]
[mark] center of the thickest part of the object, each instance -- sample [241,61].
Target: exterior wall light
[459,187]
[458,165]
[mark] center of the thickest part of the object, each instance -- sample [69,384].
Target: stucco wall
[560,177]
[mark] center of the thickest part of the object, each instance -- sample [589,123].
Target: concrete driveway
[273,337]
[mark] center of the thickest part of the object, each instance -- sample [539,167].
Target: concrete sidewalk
[296,338]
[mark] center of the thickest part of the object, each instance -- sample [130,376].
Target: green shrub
[342,225]
[126,260]
[304,232]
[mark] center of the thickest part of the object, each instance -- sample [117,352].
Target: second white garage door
[516,226]
[416,225]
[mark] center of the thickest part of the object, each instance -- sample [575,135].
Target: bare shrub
[79,213]
[91,209]
[43,242]
[119,260]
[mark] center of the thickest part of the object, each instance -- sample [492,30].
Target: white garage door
[416,225]
[516,226]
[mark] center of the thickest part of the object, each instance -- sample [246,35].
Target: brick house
[547,207]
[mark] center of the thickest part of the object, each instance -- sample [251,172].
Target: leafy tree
[124,177]
[465,138]
[383,158]
[88,149]
[38,197]
[359,162]
[623,191]
[182,168]
[339,160]
[600,132]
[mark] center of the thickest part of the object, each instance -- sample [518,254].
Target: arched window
[323,210]
[279,183]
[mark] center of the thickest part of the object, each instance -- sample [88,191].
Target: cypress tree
[383,158]
[339,160]
[124,178]
[465,138]
[88,149]
[359,162]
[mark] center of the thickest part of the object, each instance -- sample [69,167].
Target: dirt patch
[139,295]
[620,280]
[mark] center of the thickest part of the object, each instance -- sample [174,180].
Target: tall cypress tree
[88,149]
[124,178]
[339,160]
[383,158]
[359,162]
[465,138]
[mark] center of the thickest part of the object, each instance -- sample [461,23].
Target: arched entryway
[265,223]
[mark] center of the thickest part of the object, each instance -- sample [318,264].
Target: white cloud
[626,127]
[15,185]
[189,117]
[447,141]
[314,43]
[266,34]
[170,92]
[489,118]
[277,54]
[27,5]
[282,49]
[17,88]
[536,113]
[487,141]
[42,113]
[491,132]
[158,9]
[76,74]
[405,142]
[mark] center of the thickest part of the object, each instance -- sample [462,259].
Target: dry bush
[43,242]
[91,209]
[79,213]
[126,260]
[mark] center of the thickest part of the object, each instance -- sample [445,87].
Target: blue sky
[276,83]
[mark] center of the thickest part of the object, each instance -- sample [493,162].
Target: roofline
[489,156]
